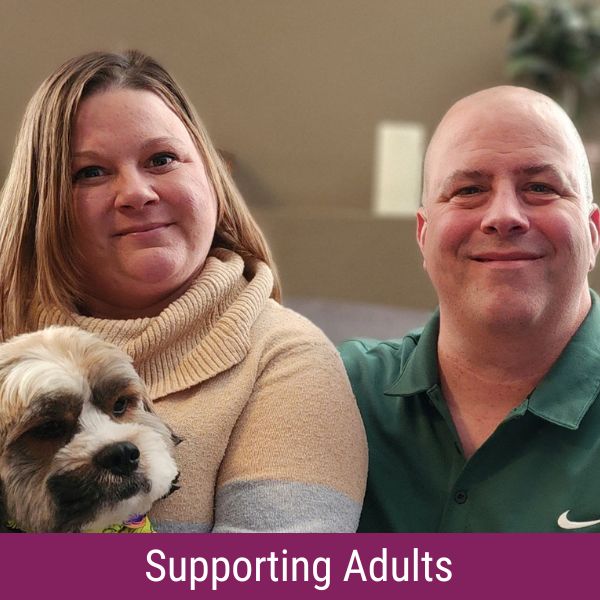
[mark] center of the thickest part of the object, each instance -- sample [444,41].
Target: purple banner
[298,566]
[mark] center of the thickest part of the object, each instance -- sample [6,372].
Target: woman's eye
[88,173]
[161,160]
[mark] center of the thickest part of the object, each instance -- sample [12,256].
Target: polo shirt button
[460,497]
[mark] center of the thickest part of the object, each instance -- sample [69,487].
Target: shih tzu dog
[81,448]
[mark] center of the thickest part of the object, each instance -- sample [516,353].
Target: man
[487,419]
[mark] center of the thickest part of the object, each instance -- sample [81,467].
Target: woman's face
[145,209]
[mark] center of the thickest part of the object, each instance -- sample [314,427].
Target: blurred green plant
[555,48]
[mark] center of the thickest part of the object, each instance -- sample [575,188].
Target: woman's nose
[504,214]
[134,190]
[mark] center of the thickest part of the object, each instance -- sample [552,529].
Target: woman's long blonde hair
[38,260]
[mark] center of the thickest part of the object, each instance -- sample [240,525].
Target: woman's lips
[141,230]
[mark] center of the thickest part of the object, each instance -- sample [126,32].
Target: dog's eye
[120,406]
[49,430]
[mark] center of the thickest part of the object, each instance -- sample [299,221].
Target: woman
[118,215]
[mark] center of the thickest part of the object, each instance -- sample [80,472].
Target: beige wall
[294,88]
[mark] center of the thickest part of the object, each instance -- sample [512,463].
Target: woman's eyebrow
[161,140]
[149,143]
[85,154]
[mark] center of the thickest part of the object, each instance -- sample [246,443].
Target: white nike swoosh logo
[565,523]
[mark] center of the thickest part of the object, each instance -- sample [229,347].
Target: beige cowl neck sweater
[272,437]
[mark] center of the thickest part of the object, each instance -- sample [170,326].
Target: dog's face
[80,447]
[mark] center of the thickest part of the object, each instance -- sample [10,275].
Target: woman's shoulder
[279,322]
[280,331]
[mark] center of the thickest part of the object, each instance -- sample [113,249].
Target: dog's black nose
[121,458]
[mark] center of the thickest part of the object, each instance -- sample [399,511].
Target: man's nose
[133,190]
[504,214]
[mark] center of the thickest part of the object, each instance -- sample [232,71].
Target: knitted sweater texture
[272,437]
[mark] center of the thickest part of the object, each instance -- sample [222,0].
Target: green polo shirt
[542,461]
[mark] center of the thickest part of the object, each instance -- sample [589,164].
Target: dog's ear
[3,513]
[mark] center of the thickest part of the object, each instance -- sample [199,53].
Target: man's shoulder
[377,361]
[372,347]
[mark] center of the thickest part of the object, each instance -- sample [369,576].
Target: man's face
[506,232]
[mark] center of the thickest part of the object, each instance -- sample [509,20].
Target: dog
[81,448]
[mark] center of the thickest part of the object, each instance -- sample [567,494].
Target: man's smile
[506,259]
[513,256]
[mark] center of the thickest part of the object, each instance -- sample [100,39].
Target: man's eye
[540,188]
[468,190]
[88,173]
[161,160]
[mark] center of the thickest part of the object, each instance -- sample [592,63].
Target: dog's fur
[71,407]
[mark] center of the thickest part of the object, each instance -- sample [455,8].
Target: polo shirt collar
[572,384]
[421,371]
[562,397]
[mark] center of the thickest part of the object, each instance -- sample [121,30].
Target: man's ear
[421,230]
[594,225]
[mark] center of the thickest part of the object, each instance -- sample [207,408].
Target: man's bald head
[501,107]
[507,228]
